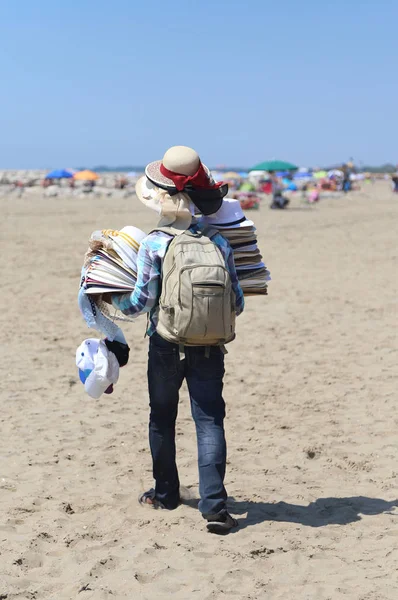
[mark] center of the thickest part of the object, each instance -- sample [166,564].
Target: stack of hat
[111,261]
[231,222]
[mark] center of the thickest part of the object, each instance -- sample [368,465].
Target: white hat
[229,216]
[98,367]
[127,243]
[244,247]
[131,235]
[174,211]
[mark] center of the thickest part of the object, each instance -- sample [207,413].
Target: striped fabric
[145,297]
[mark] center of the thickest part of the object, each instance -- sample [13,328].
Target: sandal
[147,499]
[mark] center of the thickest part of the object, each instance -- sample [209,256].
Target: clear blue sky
[117,82]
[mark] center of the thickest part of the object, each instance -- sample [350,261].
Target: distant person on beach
[279,201]
[347,172]
[314,195]
[394,179]
[176,188]
[265,186]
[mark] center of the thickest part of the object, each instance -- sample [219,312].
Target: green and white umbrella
[275,165]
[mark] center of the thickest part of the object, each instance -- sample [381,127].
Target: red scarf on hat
[200,179]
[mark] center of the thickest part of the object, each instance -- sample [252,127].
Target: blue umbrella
[59,174]
[302,176]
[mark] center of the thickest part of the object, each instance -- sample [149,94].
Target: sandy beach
[311,426]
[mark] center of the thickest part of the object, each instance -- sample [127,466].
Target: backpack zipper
[190,267]
[173,268]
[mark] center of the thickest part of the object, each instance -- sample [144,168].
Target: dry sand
[312,422]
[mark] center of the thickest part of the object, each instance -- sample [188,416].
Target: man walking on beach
[187,282]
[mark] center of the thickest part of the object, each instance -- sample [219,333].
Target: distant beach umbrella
[335,173]
[302,175]
[59,174]
[275,165]
[320,175]
[258,174]
[217,175]
[86,176]
[231,175]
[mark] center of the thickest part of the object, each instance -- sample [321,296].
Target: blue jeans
[204,372]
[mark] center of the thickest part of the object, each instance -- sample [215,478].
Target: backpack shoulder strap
[209,231]
[163,230]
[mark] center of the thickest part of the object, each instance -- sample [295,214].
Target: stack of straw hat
[231,222]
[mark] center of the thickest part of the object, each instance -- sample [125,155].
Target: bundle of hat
[176,187]
[110,264]
[230,221]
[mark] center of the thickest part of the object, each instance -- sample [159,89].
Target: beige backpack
[197,303]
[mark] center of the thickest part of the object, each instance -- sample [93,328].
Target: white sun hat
[174,211]
[229,216]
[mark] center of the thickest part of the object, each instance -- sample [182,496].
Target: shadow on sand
[322,512]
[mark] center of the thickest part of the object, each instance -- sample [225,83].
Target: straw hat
[181,170]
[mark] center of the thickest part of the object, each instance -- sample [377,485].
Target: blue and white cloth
[95,319]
